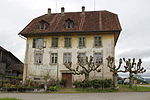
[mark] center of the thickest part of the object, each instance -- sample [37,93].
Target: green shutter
[33,45]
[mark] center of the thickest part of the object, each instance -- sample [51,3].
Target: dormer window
[43,25]
[69,23]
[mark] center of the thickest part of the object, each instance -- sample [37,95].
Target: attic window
[43,25]
[69,23]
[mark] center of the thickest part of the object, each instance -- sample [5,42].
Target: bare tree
[114,69]
[133,68]
[84,66]
[46,78]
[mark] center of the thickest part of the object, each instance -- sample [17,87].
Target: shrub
[96,83]
[63,82]
[53,88]
[8,85]
[52,82]
[107,83]
[77,84]
[85,84]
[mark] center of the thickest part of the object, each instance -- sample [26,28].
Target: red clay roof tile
[83,22]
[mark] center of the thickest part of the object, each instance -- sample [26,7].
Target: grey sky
[133,14]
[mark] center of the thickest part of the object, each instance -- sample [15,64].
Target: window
[38,58]
[39,43]
[69,23]
[43,24]
[97,41]
[67,42]
[82,57]
[98,58]
[67,57]
[81,41]
[54,42]
[54,58]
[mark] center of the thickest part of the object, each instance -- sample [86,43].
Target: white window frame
[98,57]
[54,58]
[67,57]
[36,43]
[38,58]
[84,58]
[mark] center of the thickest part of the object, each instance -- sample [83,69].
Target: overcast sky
[134,17]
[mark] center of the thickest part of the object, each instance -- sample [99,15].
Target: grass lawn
[141,89]
[125,88]
[8,99]
[84,90]
[122,88]
[91,90]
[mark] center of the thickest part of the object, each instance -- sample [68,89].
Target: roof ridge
[100,21]
[82,21]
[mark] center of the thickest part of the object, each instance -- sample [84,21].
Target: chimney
[83,8]
[49,11]
[62,10]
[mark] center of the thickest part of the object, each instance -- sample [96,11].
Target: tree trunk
[45,86]
[86,77]
[131,80]
[115,82]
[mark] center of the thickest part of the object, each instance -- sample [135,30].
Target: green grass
[92,90]
[83,90]
[122,88]
[8,99]
[141,89]
[125,88]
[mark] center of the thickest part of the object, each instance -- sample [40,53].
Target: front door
[68,77]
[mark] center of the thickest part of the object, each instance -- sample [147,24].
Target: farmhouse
[11,68]
[57,38]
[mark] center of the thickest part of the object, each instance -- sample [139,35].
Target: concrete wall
[32,70]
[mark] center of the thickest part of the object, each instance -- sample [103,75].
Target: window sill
[39,48]
[97,46]
[38,63]
[67,47]
[81,47]
[53,63]
[54,47]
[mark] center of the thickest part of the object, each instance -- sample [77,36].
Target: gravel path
[80,96]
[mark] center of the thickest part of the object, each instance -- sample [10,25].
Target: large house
[55,38]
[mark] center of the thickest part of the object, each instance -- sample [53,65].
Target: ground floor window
[38,57]
[67,57]
[82,57]
[98,58]
[54,58]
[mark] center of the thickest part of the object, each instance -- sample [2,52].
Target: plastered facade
[32,70]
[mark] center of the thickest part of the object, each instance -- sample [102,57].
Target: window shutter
[44,43]
[33,45]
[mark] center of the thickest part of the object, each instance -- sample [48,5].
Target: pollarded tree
[84,66]
[114,69]
[133,68]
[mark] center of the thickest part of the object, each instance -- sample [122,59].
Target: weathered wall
[33,70]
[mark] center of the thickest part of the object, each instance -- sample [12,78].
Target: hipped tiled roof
[83,22]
